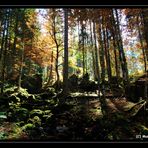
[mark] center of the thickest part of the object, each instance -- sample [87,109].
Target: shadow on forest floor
[79,119]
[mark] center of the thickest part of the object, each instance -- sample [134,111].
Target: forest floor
[118,125]
[82,119]
[120,115]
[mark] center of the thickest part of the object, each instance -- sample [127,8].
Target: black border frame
[73,4]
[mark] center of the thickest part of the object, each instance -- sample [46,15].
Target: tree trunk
[117,65]
[15,33]
[65,68]
[2,56]
[102,63]
[106,55]
[57,52]
[145,24]
[83,50]
[142,46]
[121,52]
[4,49]
[93,54]
[22,53]
[96,52]
[56,66]
[51,68]
[21,66]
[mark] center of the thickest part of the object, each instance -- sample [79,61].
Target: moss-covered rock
[35,120]
[28,126]
[36,112]
[47,116]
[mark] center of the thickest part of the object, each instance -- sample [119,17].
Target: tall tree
[4,46]
[65,68]
[121,51]
[54,30]
[145,25]
[102,64]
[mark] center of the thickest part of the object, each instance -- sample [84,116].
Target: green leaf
[3,117]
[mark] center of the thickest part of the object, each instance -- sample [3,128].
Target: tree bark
[145,24]
[21,66]
[121,52]
[142,46]
[96,52]
[92,52]
[65,68]
[102,63]
[51,68]
[4,48]
[57,51]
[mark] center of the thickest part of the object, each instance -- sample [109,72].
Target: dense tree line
[70,42]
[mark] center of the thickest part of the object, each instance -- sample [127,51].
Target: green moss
[3,135]
[36,121]
[10,89]
[28,126]
[47,112]
[36,112]
[144,130]
[24,92]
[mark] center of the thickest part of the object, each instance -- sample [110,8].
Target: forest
[74,74]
